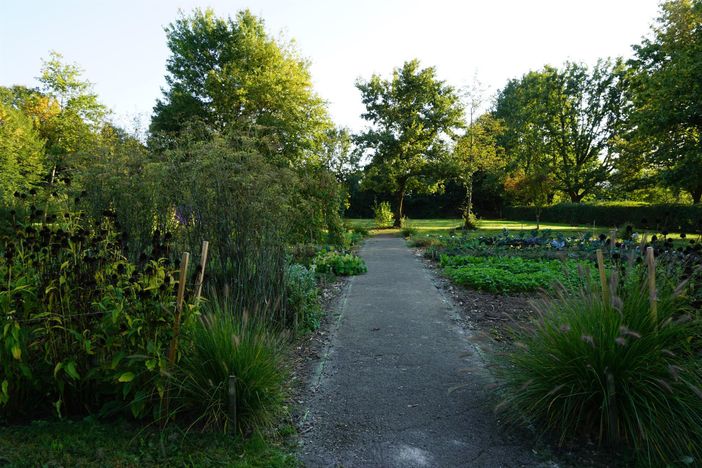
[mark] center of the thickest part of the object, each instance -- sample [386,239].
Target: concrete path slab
[382,397]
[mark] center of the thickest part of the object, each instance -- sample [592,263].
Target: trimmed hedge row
[672,217]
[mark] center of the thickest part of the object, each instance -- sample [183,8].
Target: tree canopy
[563,122]
[413,118]
[230,72]
[666,93]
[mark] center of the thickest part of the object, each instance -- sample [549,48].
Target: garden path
[381,394]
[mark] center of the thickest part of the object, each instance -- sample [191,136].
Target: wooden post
[603,277]
[651,263]
[203,264]
[232,402]
[179,307]
[612,240]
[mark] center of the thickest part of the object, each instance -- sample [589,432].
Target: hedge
[672,217]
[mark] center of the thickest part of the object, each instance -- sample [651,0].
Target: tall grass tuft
[226,343]
[611,371]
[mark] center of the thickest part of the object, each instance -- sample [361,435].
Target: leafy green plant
[509,274]
[83,329]
[383,215]
[226,342]
[339,264]
[361,231]
[302,298]
[612,371]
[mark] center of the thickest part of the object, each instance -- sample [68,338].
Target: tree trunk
[576,197]
[398,208]
[468,206]
[696,195]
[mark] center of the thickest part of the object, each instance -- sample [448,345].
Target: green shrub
[302,298]
[508,274]
[685,218]
[611,371]
[340,264]
[383,214]
[83,329]
[225,342]
[361,231]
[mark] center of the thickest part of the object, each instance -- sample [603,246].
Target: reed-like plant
[610,369]
[227,343]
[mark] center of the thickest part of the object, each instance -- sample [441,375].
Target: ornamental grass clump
[606,367]
[227,342]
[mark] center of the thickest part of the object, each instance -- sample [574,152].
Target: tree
[565,121]
[476,150]
[21,152]
[666,95]
[70,115]
[413,118]
[229,72]
[65,113]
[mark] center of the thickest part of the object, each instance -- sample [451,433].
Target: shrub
[686,218]
[509,274]
[225,342]
[339,264]
[611,371]
[302,299]
[383,214]
[83,329]
[361,231]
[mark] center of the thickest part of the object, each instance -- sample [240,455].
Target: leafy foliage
[302,298]
[82,328]
[339,264]
[666,119]
[22,163]
[383,214]
[412,115]
[509,274]
[562,123]
[226,73]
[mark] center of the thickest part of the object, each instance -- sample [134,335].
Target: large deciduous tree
[666,92]
[564,123]
[413,117]
[229,72]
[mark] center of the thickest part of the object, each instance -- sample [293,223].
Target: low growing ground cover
[509,274]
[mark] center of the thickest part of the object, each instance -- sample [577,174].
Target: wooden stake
[612,239]
[232,402]
[651,263]
[603,277]
[203,264]
[179,306]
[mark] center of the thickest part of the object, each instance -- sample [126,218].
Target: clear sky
[121,45]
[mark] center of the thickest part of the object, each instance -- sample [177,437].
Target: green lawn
[486,226]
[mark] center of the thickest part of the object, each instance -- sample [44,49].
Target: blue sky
[121,45]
